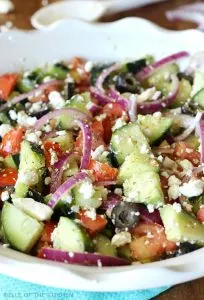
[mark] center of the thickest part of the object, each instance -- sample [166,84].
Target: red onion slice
[66,186]
[154,106]
[118,98]
[22,97]
[57,172]
[100,96]
[191,128]
[76,114]
[104,74]
[149,70]
[133,108]
[202,139]
[85,258]
[148,217]
[87,141]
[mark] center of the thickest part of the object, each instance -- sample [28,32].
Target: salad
[102,164]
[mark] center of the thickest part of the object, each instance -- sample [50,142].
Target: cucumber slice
[31,157]
[69,236]
[87,196]
[144,188]
[192,141]
[137,162]
[81,102]
[125,139]
[102,245]
[184,93]
[21,231]
[21,190]
[12,161]
[198,83]
[65,141]
[58,71]
[4,119]
[154,126]
[199,98]
[181,227]
[160,78]
[26,85]
[34,209]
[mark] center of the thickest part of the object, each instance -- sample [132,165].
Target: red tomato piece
[11,142]
[45,240]
[113,110]
[92,226]
[102,171]
[182,151]
[7,84]
[97,137]
[150,242]
[200,214]
[50,147]
[8,177]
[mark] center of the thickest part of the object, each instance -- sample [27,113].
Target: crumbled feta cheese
[174,192]
[6,6]
[160,158]
[146,95]
[5,196]
[47,180]
[99,263]
[35,107]
[47,79]
[144,149]
[91,214]
[13,115]
[186,165]
[47,128]
[150,208]
[97,152]
[75,208]
[177,207]
[120,239]
[118,191]
[173,180]
[118,124]
[101,117]
[192,188]
[165,174]
[29,177]
[25,120]
[4,129]
[88,66]
[87,189]
[61,132]
[33,137]
[56,100]
[53,157]
[157,114]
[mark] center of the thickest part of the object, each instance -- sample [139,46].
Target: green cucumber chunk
[184,93]
[69,236]
[199,98]
[66,141]
[154,126]
[21,231]
[181,227]
[31,156]
[4,119]
[58,71]
[102,245]
[144,188]
[125,139]
[137,162]
[81,102]
[198,82]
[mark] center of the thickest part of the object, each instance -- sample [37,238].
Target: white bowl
[128,38]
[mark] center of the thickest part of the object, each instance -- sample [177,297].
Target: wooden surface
[21,19]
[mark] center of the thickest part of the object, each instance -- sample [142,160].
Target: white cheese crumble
[91,214]
[61,132]
[186,165]
[47,180]
[53,157]
[118,124]
[34,137]
[13,115]
[169,163]
[173,180]
[174,192]
[96,154]
[47,128]
[177,207]
[29,177]
[146,95]
[75,208]
[101,117]
[120,239]
[192,188]
[25,120]
[56,100]
[118,191]
[87,189]
[150,208]
[88,66]
[6,6]
[4,129]
[5,196]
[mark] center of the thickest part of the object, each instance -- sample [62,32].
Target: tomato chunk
[52,149]
[102,171]
[8,177]
[182,151]
[46,240]
[11,142]
[200,214]
[92,225]
[150,242]
[7,84]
